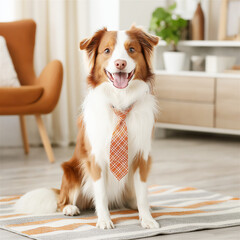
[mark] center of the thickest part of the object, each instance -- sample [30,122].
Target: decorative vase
[174,61]
[197,24]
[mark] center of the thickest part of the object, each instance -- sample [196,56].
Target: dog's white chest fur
[100,120]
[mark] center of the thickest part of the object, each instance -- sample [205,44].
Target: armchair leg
[24,134]
[45,139]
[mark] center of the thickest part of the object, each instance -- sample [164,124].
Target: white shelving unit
[198,74]
[173,87]
[205,43]
[201,48]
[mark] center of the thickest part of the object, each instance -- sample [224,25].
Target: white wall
[103,13]
[138,12]
[121,14]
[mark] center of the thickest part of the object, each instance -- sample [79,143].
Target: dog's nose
[120,64]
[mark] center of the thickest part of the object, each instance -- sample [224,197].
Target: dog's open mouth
[120,79]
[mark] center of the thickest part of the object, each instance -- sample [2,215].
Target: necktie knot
[122,114]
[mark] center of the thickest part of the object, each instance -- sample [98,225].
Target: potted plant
[169,27]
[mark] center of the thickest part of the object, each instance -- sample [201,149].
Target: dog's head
[119,57]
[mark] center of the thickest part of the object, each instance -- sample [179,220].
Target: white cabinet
[199,101]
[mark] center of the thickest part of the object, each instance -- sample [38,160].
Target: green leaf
[167,25]
[172,7]
[160,13]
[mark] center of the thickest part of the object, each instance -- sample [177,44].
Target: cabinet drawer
[228,103]
[197,114]
[185,88]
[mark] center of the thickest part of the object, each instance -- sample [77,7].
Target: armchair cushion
[8,75]
[24,95]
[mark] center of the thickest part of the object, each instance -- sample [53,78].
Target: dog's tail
[39,201]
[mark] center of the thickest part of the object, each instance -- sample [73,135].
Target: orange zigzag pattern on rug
[73,226]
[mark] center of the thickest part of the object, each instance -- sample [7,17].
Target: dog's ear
[146,40]
[151,39]
[91,45]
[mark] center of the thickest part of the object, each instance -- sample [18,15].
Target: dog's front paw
[71,210]
[104,223]
[149,223]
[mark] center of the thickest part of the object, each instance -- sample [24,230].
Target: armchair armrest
[51,80]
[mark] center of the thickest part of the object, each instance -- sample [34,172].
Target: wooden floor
[202,161]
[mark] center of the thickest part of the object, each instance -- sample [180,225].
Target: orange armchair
[37,95]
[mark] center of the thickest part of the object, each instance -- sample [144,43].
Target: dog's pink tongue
[120,80]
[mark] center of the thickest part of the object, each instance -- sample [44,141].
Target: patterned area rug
[177,210]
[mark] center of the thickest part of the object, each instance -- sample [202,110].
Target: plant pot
[174,61]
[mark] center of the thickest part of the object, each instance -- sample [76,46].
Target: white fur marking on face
[120,52]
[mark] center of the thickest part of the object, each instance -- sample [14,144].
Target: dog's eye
[107,50]
[131,50]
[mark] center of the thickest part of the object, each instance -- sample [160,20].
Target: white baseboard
[197,128]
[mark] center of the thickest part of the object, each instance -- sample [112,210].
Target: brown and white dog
[120,76]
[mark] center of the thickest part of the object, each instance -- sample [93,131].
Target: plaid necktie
[119,146]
